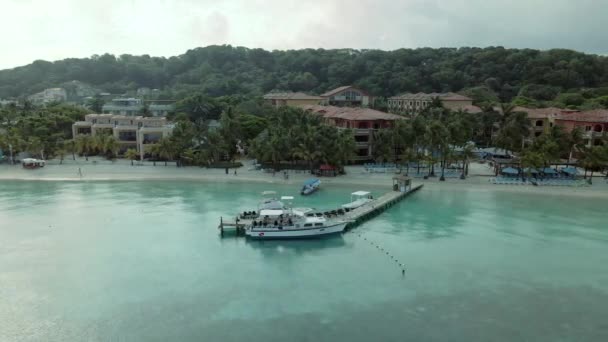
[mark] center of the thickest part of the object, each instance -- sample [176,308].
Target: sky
[58,29]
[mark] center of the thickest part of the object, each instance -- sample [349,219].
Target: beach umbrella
[530,170]
[509,171]
[570,170]
[549,171]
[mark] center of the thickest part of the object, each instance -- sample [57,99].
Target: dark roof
[290,96]
[341,89]
[429,96]
[350,113]
[597,115]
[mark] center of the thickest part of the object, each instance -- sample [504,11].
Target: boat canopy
[360,193]
[270,212]
[510,171]
[268,193]
[311,181]
[286,198]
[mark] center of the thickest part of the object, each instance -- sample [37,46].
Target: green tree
[131,154]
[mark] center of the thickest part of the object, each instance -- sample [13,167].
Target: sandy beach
[97,169]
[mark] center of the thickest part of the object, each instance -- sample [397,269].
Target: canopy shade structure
[510,171]
[549,170]
[360,193]
[530,170]
[570,170]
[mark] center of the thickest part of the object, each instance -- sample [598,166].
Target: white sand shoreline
[356,178]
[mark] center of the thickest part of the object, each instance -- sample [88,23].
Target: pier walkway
[371,209]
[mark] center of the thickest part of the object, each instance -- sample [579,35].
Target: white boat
[288,223]
[357,199]
[310,186]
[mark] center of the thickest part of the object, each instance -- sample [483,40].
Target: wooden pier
[401,189]
[371,209]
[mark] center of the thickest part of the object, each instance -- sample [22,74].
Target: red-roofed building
[362,121]
[348,96]
[594,123]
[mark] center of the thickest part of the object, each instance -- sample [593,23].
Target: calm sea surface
[143,261]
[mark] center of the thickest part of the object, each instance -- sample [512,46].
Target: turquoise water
[143,261]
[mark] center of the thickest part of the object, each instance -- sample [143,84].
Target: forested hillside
[558,77]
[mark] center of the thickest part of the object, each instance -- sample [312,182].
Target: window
[587,128]
[539,123]
[318,224]
[308,225]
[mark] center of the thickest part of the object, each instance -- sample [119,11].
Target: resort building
[347,96]
[414,103]
[280,99]
[593,123]
[362,121]
[134,107]
[135,132]
[541,119]
[49,95]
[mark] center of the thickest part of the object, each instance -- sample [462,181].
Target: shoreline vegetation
[355,179]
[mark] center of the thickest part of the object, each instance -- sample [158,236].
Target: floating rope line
[378,247]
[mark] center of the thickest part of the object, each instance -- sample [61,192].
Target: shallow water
[143,261]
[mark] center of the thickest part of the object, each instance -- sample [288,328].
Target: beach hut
[509,171]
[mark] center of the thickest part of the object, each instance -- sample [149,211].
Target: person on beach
[80,172]
[226,170]
[235,172]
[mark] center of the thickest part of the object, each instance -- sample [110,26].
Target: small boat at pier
[357,199]
[310,186]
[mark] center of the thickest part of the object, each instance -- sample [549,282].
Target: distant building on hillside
[362,121]
[132,107]
[134,132]
[280,99]
[49,95]
[415,103]
[347,96]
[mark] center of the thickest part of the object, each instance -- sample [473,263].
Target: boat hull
[288,234]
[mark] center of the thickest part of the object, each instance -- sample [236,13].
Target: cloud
[40,29]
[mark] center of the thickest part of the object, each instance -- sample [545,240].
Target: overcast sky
[57,29]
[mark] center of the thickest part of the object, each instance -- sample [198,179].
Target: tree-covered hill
[489,74]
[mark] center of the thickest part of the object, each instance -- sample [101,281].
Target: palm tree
[575,139]
[34,146]
[70,147]
[84,145]
[467,154]
[166,149]
[346,147]
[594,158]
[131,154]
[106,145]
[530,159]
[61,151]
